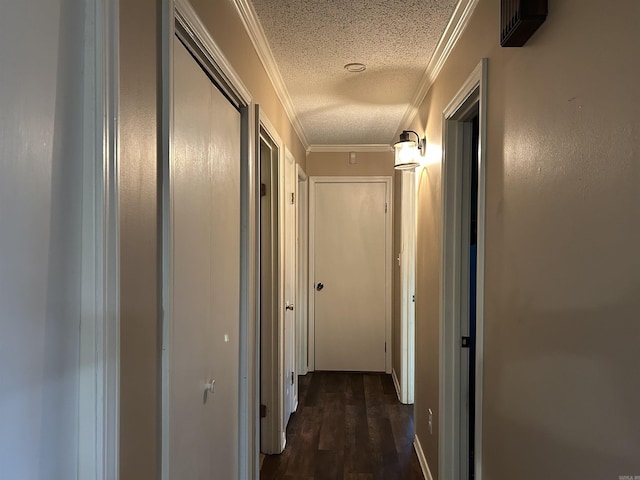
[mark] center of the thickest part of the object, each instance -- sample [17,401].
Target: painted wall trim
[396,384]
[99,379]
[258,38]
[375,147]
[421,458]
[189,19]
[452,33]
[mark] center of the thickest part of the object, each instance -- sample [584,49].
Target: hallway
[347,426]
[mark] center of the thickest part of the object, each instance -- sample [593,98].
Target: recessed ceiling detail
[395,40]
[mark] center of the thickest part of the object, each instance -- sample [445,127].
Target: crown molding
[358,148]
[452,33]
[258,38]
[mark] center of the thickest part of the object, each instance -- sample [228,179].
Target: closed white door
[349,284]
[205,278]
[290,380]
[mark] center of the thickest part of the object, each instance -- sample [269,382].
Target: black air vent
[519,19]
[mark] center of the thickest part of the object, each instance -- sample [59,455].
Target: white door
[290,377]
[407,286]
[204,278]
[350,297]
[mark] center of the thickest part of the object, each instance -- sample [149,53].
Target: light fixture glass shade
[407,155]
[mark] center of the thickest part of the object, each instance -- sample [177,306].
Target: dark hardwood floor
[348,426]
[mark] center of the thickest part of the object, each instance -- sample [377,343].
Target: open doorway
[463,280]
[270,258]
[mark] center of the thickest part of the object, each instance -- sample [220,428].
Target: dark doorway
[473,254]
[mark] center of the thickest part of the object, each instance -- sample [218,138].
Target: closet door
[205,277]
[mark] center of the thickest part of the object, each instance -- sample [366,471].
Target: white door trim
[180,18]
[302,316]
[474,90]
[98,388]
[313,181]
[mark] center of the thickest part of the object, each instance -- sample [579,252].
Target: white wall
[41,132]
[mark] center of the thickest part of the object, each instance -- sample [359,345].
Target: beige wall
[139,243]
[562,233]
[140,334]
[337,163]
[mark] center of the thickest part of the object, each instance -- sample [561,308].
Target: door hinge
[385,347]
[263,190]
[385,208]
[263,411]
[293,198]
[292,378]
[466,342]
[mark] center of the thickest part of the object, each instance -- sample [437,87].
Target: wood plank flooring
[348,426]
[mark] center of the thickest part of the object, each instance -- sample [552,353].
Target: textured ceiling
[311,42]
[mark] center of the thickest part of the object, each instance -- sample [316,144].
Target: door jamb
[474,90]
[180,13]
[313,180]
[98,384]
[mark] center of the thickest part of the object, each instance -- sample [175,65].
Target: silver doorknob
[319,286]
[289,306]
[208,387]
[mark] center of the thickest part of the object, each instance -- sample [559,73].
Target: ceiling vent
[519,19]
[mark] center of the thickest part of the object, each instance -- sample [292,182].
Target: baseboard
[422,459]
[396,383]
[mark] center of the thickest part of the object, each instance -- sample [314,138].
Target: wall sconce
[406,151]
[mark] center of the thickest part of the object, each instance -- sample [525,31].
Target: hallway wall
[140,282]
[42,140]
[562,229]
[337,164]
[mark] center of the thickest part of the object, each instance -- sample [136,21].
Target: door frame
[407,287]
[289,350]
[473,92]
[313,181]
[272,377]
[302,315]
[99,348]
[179,17]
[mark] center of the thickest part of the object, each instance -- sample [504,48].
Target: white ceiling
[312,40]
